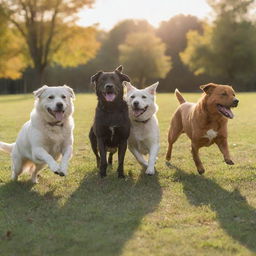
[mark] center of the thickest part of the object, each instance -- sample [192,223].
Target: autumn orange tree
[47,29]
[11,62]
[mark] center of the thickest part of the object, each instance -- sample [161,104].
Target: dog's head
[55,103]
[220,99]
[141,102]
[108,85]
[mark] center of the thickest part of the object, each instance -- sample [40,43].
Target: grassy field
[176,212]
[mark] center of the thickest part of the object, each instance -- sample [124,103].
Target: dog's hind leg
[110,158]
[93,140]
[197,160]
[175,131]
[34,171]
[17,166]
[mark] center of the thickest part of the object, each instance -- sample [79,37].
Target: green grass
[176,212]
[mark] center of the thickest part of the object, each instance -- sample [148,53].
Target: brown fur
[196,119]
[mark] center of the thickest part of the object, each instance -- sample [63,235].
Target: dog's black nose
[235,102]
[135,103]
[59,105]
[109,86]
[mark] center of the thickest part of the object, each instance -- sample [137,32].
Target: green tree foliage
[143,55]
[108,56]
[45,26]
[173,34]
[226,51]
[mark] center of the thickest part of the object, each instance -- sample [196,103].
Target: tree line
[40,43]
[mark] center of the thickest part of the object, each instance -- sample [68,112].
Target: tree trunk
[38,81]
[142,79]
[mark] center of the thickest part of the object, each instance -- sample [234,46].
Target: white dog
[144,134]
[46,136]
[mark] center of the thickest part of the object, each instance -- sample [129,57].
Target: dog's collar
[145,121]
[58,123]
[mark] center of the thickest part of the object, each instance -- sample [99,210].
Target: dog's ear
[40,91]
[120,68]
[122,76]
[152,88]
[70,91]
[208,88]
[95,77]
[128,86]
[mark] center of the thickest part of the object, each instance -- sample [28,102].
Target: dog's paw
[63,171]
[150,171]
[229,161]
[201,171]
[55,168]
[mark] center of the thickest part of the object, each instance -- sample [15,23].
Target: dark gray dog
[111,127]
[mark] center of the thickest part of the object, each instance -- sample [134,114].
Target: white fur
[144,137]
[40,142]
[211,134]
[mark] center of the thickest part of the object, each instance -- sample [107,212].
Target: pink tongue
[59,115]
[110,96]
[226,111]
[137,112]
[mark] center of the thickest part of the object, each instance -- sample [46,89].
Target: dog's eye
[132,97]
[224,94]
[51,97]
[144,97]
[63,97]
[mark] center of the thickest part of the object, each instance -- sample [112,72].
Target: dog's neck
[58,123]
[142,121]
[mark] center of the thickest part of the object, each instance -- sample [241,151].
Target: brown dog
[204,122]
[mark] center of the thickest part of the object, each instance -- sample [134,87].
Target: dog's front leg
[152,159]
[40,154]
[66,155]
[197,160]
[223,146]
[121,154]
[138,156]
[103,157]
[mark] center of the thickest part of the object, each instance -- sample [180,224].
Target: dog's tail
[179,96]
[6,147]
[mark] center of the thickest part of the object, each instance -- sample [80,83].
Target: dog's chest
[210,134]
[112,131]
[141,139]
[55,138]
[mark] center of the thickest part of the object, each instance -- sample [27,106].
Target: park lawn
[176,212]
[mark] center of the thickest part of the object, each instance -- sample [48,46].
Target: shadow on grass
[234,214]
[97,219]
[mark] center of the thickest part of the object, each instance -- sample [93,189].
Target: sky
[107,13]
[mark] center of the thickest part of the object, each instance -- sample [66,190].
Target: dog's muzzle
[109,93]
[235,103]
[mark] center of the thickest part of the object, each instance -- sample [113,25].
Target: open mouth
[139,111]
[109,96]
[58,114]
[225,111]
